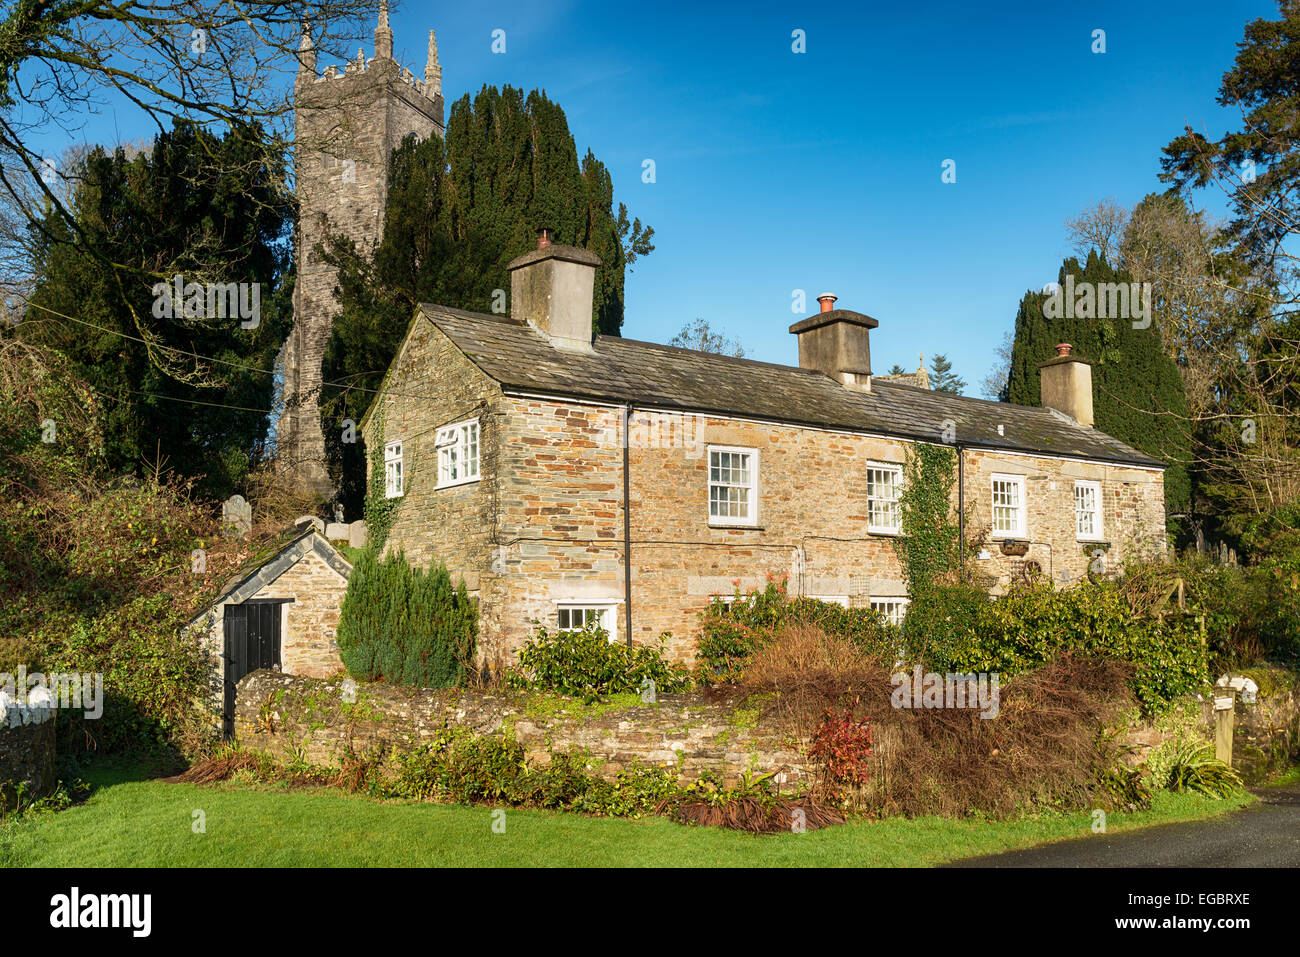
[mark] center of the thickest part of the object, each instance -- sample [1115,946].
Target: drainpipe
[961,499]
[627,520]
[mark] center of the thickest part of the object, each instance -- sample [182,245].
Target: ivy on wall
[379,507]
[945,599]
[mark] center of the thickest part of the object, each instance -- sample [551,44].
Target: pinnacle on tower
[383,35]
[306,52]
[432,71]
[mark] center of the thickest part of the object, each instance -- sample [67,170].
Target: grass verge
[128,821]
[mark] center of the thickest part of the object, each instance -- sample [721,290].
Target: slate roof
[621,370]
[269,563]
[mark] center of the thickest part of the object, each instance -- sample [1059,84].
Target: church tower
[346,123]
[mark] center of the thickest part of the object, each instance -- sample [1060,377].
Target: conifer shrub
[406,626]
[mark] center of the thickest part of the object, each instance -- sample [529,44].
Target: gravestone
[237,517]
[358,534]
[304,520]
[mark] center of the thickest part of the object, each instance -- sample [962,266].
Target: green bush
[1195,768]
[731,633]
[587,664]
[404,626]
[458,765]
[1032,623]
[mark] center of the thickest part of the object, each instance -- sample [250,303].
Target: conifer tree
[1137,392]
[457,213]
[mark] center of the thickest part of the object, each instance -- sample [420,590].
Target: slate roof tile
[621,370]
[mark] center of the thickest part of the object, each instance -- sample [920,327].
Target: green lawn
[130,822]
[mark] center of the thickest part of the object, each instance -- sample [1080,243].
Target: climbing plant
[945,600]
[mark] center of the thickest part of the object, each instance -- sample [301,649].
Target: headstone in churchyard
[358,534]
[237,516]
[302,521]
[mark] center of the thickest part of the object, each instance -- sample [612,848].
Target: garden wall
[292,717]
[26,752]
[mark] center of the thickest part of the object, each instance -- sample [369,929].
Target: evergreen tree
[942,378]
[458,212]
[406,626]
[896,369]
[213,211]
[1137,392]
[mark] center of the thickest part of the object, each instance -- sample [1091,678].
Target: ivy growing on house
[379,507]
[945,600]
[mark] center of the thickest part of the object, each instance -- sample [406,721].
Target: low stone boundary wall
[26,752]
[1265,733]
[290,717]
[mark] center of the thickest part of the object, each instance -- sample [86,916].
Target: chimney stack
[836,342]
[551,289]
[1066,385]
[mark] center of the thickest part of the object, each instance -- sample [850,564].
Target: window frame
[731,521]
[902,601]
[897,469]
[1022,511]
[394,458]
[461,443]
[607,607]
[1099,531]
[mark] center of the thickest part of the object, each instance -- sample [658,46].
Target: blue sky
[778,171]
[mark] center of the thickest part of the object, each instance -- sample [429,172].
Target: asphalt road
[1263,835]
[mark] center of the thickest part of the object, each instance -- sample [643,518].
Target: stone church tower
[346,124]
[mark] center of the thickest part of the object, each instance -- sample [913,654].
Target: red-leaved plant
[842,745]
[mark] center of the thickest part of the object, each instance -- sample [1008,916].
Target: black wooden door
[252,641]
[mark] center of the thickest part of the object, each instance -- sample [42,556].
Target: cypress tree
[1138,394]
[406,626]
[457,213]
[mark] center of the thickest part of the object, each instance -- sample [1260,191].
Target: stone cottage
[568,478]
[280,610]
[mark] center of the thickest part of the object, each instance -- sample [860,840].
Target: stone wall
[284,716]
[26,752]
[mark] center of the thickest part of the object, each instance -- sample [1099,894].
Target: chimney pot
[1063,349]
[827,299]
[543,238]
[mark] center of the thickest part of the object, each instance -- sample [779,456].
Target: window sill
[458,484]
[885,532]
[740,525]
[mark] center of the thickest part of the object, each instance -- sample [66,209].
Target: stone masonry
[284,715]
[346,125]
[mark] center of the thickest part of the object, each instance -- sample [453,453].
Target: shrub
[842,746]
[587,664]
[1033,623]
[732,633]
[406,626]
[1195,768]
